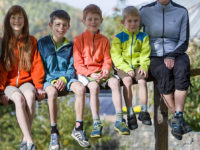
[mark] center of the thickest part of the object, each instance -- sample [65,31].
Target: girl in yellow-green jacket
[130,53]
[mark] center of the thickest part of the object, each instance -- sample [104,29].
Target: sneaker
[132,122]
[145,118]
[96,130]
[80,137]
[23,145]
[121,128]
[54,143]
[176,123]
[185,127]
[31,147]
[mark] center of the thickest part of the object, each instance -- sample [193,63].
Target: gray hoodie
[167,27]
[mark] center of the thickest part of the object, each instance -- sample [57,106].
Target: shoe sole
[55,147]
[133,127]
[80,142]
[176,135]
[145,123]
[121,133]
[95,136]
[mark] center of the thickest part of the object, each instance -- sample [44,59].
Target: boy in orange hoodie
[92,63]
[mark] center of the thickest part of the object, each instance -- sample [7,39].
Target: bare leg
[22,117]
[94,100]
[180,97]
[52,104]
[127,81]
[169,101]
[143,93]
[116,94]
[79,91]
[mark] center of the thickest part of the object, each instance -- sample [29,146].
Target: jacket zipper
[131,50]
[18,64]
[93,44]
[163,42]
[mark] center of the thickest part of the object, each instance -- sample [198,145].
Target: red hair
[8,57]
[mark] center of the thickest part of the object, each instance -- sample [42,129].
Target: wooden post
[160,121]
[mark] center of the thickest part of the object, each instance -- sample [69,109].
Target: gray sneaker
[80,137]
[23,145]
[54,143]
[31,147]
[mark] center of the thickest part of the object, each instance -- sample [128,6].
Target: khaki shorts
[123,74]
[9,90]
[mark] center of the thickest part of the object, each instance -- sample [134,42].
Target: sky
[105,5]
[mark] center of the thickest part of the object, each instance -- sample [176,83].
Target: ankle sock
[54,128]
[144,108]
[79,125]
[178,114]
[130,111]
[96,119]
[119,115]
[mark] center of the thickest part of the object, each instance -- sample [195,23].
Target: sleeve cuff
[53,81]
[63,79]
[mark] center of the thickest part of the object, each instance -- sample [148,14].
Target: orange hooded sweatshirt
[91,53]
[17,76]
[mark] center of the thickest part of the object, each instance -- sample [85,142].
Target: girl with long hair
[22,71]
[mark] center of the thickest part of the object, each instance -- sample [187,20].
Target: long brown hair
[8,57]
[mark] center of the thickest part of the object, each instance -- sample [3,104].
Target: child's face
[131,23]
[92,22]
[17,23]
[59,28]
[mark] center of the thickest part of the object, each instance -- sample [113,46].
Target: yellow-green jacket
[130,50]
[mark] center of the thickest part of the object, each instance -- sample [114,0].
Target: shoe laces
[54,139]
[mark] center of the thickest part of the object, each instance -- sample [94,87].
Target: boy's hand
[60,85]
[40,94]
[131,73]
[169,63]
[4,99]
[105,73]
[142,72]
[96,76]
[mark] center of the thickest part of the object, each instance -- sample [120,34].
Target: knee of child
[30,94]
[127,81]
[80,90]
[142,82]
[19,100]
[114,83]
[52,93]
[94,88]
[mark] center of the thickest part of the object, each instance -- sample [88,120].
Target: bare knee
[78,89]
[142,82]
[113,83]
[94,88]
[51,93]
[30,95]
[19,100]
[127,81]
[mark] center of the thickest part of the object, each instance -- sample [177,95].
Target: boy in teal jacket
[130,53]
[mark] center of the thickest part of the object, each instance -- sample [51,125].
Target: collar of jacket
[130,33]
[91,35]
[164,6]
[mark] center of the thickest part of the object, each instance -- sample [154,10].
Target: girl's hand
[4,99]
[40,94]
[169,63]
[60,85]
[142,72]
[131,73]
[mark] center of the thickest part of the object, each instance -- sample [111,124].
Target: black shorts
[168,80]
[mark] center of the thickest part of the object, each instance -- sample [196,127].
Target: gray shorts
[9,90]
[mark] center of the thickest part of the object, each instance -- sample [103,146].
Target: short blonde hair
[130,11]
[92,8]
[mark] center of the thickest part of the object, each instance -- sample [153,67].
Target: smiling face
[131,23]
[59,28]
[92,22]
[17,23]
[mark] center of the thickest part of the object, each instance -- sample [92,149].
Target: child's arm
[144,55]
[107,62]
[37,69]
[78,59]
[116,54]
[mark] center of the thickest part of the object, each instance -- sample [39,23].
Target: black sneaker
[185,127]
[132,122]
[176,123]
[145,118]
